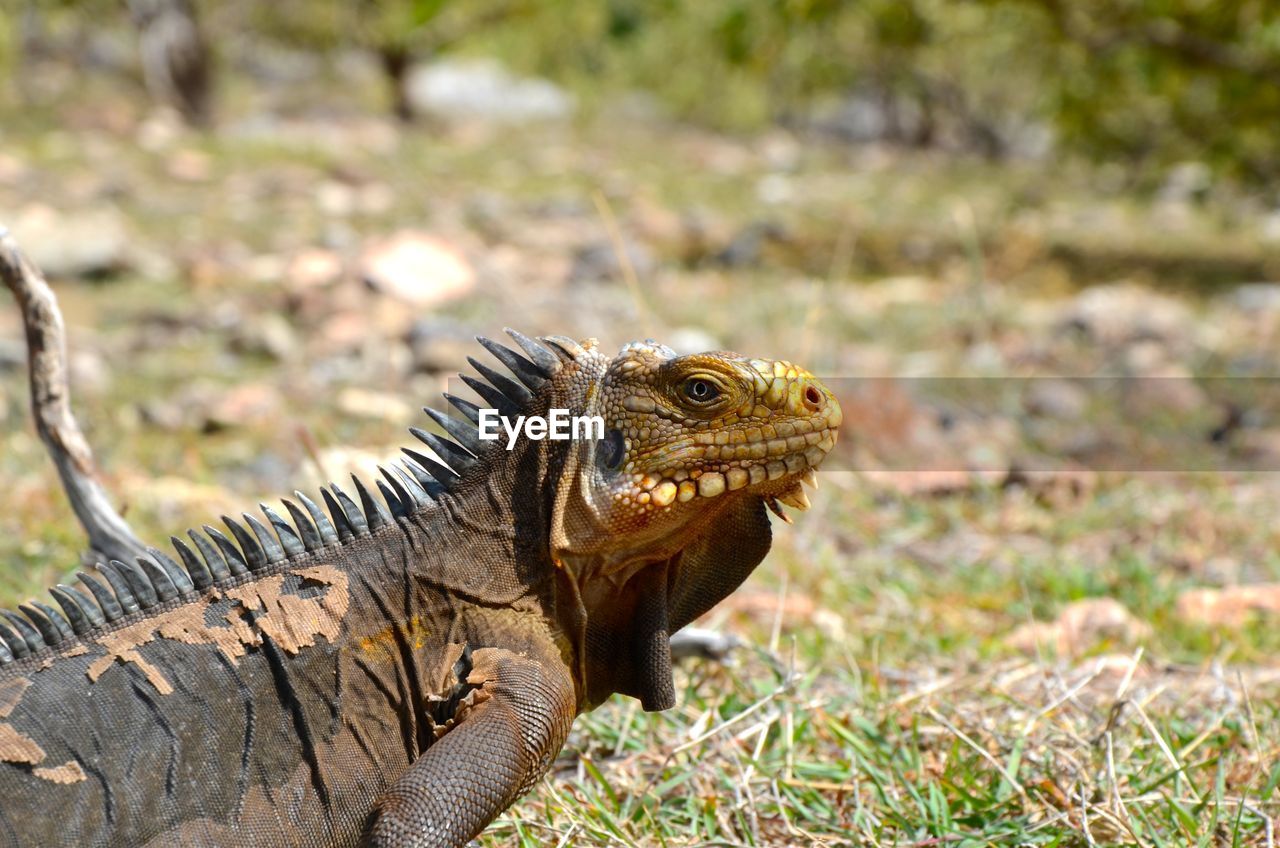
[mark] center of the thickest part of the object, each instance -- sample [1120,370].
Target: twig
[624,261]
[109,534]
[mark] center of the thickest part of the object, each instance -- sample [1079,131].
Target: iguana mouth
[794,496]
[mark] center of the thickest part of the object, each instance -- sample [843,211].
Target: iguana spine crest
[410,487]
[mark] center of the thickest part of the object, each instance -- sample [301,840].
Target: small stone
[600,261]
[1233,606]
[190,166]
[267,334]
[417,268]
[312,268]
[92,243]
[1080,626]
[1055,398]
[364,403]
[483,90]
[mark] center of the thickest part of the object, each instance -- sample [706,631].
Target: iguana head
[665,515]
[684,436]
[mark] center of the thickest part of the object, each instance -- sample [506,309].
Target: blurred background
[1034,245]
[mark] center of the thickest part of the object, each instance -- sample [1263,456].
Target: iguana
[397,671]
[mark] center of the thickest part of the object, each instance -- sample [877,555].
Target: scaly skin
[402,685]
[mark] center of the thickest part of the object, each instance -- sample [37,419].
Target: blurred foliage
[1150,82]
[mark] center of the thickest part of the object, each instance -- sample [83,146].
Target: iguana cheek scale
[395,669]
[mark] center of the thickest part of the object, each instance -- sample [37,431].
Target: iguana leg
[492,756]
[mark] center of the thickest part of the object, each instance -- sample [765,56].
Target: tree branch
[109,534]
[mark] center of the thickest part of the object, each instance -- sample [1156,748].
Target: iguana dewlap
[397,671]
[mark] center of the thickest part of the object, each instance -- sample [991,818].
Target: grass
[882,697]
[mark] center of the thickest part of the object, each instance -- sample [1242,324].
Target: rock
[92,243]
[266,334]
[436,347]
[189,166]
[170,500]
[1257,297]
[339,463]
[1080,626]
[1123,314]
[311,269]
[1186,182]
[1159,387]
[417,268]
[686,340]
[363,403]
[747,247]
[88,372]
[13,354]
[1233,606]
[600,261]
[246,403]
[481,89]
[1055,398]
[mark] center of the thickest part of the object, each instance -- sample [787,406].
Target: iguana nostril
[813,399]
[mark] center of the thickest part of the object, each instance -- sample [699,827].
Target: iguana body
[397,675]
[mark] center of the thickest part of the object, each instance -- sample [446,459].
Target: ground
[1014,614]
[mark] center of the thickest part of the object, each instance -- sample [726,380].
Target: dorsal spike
[457,457]
[546,362]
[71,609]
[496,399]
[49,630]
[76,617]
[310,537]
[288,538]
[323,525]
[124,595]
[24,629]
[176,573]
[159,580]
[234,559]
[564,347]
[138,582]
[340,520]
[211,551]
[399,509]
[270,545]
[73,601]
[420,493]
[463,433]
[468,409]
[375,513]
[509,388]
[355,516]
[107,601]
[410,494]
[526,372]
[439,477]
[201,577]
[254,556]
[13,639]
[57,619]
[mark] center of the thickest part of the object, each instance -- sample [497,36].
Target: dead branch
[109,534]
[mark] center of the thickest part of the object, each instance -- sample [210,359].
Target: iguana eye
[700,391]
